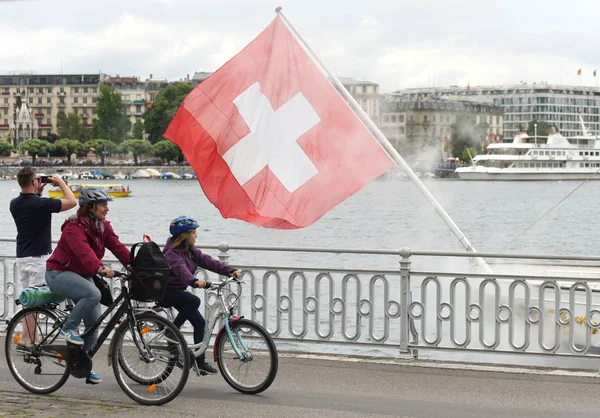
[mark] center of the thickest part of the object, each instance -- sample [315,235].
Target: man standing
[33,218]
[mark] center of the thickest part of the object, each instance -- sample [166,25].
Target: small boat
[153,173]
[140,174]
[169,175]
[113,189]
[120,176]
[66,175]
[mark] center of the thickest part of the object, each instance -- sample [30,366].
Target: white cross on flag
[271,141]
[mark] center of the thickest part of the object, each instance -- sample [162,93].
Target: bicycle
[149,342]
[241,345]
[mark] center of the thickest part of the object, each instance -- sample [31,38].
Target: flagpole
[384,142]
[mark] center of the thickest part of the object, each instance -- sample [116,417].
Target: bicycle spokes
[248,359]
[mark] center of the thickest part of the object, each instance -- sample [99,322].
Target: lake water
[387,214]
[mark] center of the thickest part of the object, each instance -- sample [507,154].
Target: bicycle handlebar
[115,274]
[215,286]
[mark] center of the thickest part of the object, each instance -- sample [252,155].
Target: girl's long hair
[181,241]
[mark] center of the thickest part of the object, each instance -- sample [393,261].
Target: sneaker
[93,378]
[71,337]
[206,368]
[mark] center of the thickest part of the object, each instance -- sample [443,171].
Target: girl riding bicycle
[184,258]
[78,257]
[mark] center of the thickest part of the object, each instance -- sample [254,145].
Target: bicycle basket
[150,272]
[148,283]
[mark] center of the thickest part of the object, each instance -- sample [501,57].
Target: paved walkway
[310,387]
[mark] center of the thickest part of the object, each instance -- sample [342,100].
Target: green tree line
[111,133]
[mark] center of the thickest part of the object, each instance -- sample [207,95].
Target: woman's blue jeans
[86,297]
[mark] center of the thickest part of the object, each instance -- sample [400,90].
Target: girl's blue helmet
[182,224]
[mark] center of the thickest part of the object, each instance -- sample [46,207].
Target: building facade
[45,96]
[367,96]
[137,95]
[412,124]
[557,105]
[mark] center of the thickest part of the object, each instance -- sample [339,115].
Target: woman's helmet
[182,224]
[93,195]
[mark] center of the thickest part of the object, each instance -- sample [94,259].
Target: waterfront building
[199,77]
[45,96]
[366,93]
[411,124]
[558,105]
[133,95]
[137,95]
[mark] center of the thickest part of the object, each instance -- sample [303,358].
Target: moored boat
[113,189]
[535,158]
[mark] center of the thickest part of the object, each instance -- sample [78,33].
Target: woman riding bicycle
[184,258]
[78,257]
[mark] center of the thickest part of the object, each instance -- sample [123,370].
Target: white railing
[551,307]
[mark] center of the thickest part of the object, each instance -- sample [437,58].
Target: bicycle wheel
[157,372]
[34,369]
[255,373]
[144,377]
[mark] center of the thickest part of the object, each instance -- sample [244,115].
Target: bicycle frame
[221,311]
[123,309]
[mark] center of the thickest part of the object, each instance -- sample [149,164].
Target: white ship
[538,158]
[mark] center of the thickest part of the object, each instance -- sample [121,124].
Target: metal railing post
[223,254]
[404,299]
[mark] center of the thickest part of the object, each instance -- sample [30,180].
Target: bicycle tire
[224,355]
[44,323]
[156,388]
[142,380]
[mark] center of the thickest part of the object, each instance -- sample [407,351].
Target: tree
[5,148]
[164,107]
[542,128]
[465,134]
[467,154]
[69,126]
[112,122]
[101,147]
[68,146]
[62,124]
[166,150]
[35,147]
[138,130]
[138,147]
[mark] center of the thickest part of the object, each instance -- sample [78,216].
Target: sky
[397,43]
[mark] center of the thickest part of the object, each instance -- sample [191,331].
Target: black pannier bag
[150,272]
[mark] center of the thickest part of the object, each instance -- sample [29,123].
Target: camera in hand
[45,179]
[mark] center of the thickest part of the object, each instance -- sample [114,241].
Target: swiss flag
[271,141]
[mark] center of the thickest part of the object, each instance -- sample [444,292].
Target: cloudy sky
[396,43]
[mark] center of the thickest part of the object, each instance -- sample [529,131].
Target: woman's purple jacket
[183,266]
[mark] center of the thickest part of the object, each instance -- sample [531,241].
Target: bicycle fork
[244,354]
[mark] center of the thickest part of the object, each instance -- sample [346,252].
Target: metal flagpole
[384,142]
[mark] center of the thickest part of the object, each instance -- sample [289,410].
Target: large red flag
[271,141]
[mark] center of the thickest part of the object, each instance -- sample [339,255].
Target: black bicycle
[146,350]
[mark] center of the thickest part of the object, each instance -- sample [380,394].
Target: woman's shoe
[93,378]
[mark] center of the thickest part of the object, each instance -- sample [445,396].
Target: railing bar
[422,348]
[382,252]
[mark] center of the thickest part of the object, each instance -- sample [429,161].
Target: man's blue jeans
[86,297]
